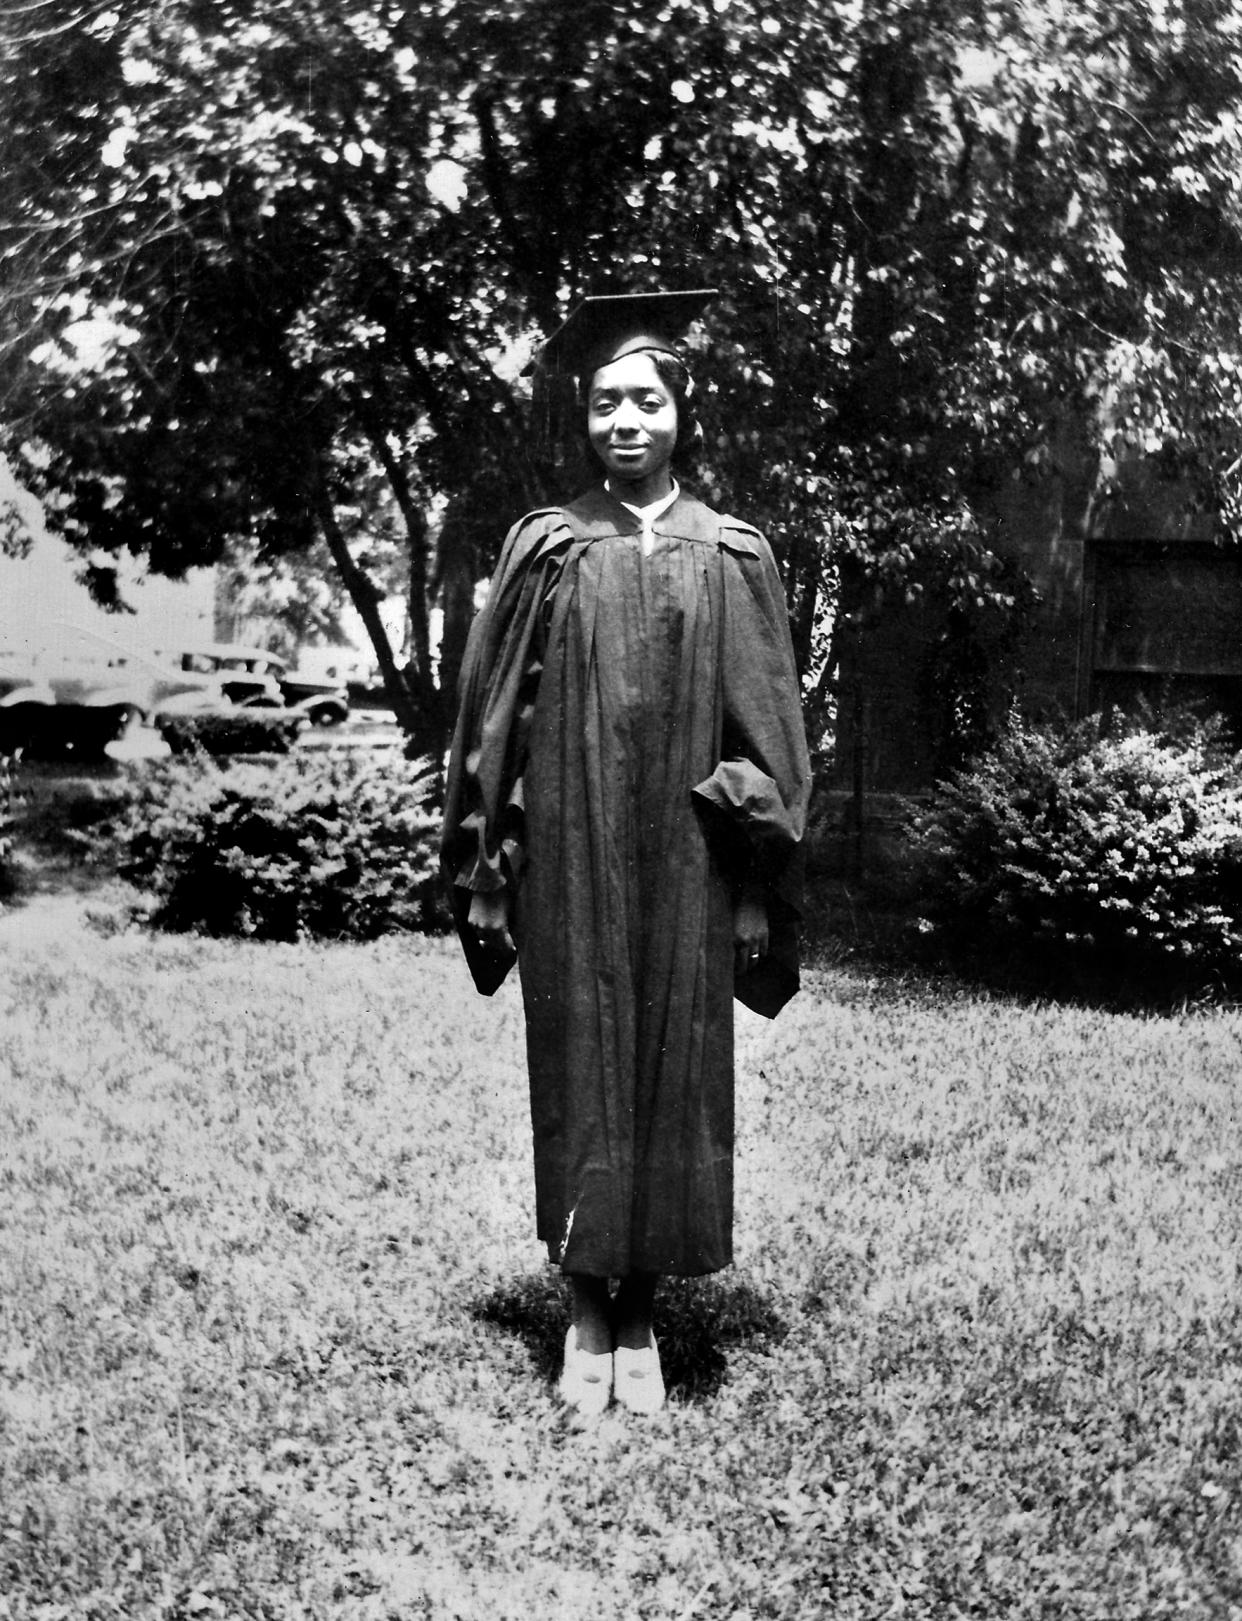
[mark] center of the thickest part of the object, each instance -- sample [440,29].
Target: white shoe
[638,1382]
[586,1379]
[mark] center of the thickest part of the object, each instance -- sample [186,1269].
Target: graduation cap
[601,330]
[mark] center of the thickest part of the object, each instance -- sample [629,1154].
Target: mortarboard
[601,330]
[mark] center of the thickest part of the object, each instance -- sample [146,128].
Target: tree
[325,235]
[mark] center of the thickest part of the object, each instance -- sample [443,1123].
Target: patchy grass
[276,1340]
[56,806]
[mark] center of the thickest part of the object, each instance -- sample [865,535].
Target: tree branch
[494,177]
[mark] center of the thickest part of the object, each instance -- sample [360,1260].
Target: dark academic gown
[629,752]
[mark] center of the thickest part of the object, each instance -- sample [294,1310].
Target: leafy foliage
[1123,842]
[321,242]
[242,731]
[317,846]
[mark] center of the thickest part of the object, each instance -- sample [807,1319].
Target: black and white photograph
[620,810]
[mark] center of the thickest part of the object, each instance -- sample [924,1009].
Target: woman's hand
[750,931]
[489,918]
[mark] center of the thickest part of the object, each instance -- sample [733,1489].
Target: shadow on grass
[1056,972]
[697,1322]
[56,807]
[885,939]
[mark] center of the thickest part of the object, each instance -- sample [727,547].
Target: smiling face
[632,426]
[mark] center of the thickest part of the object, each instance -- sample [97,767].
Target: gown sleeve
[755,802]
[483,838]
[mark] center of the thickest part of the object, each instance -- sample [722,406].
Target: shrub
[8,875]
[326,846]
[244,731]
[1123,841]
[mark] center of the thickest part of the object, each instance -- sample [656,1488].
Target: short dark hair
[675,375]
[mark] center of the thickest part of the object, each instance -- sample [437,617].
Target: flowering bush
[1126,841]
[323,846]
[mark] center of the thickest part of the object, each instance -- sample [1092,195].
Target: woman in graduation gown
[625,801]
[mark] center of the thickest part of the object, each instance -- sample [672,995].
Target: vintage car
[358,673]
[252,675]
[76,691]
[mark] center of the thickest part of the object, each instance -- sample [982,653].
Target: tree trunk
[421,690]
[802,568]
[365,599]
[457,572]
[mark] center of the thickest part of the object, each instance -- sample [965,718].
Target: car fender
[33,693]
[114,698]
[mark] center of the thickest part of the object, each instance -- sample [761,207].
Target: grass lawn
[276,1339]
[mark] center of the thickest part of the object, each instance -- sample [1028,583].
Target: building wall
[1163,591]
[892,717]
[1043,524]
[44,606]
[1137,603]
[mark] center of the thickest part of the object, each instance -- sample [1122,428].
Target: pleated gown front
[606,685]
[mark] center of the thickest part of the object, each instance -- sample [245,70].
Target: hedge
[332,845]
[244,731]
[1122,840]
[8,874]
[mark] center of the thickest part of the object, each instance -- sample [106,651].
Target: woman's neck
[642,492]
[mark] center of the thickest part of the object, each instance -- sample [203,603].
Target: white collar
[647,515]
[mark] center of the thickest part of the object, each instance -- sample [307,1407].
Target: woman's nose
[627,418]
